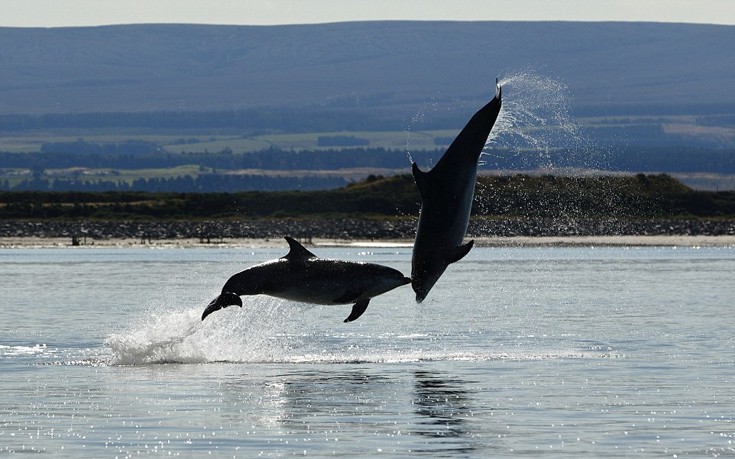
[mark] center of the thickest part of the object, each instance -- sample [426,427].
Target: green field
[237,143]
[420,140]
[714,128]
[15,176]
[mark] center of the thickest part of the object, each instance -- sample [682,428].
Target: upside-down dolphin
[302,276]
[446,192]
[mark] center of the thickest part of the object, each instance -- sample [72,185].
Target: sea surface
[566,352]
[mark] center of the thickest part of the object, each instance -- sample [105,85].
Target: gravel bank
[87,232]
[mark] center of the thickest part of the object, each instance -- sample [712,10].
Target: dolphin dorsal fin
[421,178]
[297,251]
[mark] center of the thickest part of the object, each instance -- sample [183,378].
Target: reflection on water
[443,401]
[443,405]
[413,410]
[331,407]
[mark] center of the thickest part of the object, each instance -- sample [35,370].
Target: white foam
[15,351]
[269,330]
[251,333]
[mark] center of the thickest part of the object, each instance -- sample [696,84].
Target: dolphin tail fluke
[460,252]
[357,310]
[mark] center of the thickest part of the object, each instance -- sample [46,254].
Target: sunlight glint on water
[576,352]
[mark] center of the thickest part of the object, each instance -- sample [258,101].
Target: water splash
[535,129]
[159,339]
[272,331]
[257,332]
[418,119]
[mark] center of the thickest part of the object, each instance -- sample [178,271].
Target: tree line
[204,183]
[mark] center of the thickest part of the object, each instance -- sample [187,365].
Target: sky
[64,13]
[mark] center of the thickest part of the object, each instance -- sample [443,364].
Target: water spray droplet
[535,129]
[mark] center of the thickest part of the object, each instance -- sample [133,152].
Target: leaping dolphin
[302,276]
[446,192]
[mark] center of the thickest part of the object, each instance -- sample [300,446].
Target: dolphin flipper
[349,296]
[460,252]
[357,310]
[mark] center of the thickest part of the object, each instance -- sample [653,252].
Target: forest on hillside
[518,196]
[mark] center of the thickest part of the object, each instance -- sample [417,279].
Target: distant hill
[383,66]
[108,101]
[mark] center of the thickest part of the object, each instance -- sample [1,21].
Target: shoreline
[32,242]
[362,232]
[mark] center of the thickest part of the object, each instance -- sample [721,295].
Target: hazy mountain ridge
[375,65]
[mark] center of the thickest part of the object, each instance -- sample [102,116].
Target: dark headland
[530,209]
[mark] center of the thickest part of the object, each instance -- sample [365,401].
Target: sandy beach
[255,243]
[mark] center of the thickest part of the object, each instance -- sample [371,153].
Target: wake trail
[159,340]
[259,331]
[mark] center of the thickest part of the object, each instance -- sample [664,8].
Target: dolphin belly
[324,281]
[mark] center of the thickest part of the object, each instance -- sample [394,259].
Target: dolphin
[446,192]
[302,276]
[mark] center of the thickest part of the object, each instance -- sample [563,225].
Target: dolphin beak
[420,291]
[222,301]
